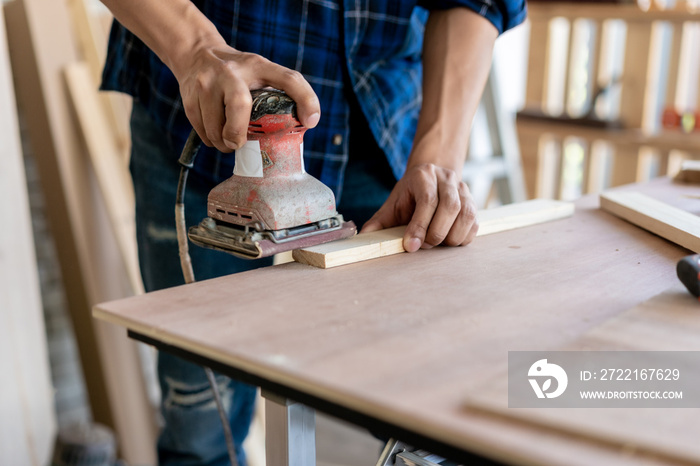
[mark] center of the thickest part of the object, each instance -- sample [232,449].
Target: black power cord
[189,152]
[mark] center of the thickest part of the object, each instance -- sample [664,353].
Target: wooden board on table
[382,243]
[660,218]
[669,321]
[28,421]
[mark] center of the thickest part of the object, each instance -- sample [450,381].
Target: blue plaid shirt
[370,46]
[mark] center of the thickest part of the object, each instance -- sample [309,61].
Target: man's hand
[435,203]
[215,79]
[215,84]
[430,197]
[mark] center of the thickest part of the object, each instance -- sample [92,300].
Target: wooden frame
[649,77]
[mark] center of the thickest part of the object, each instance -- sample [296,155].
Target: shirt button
[337,139]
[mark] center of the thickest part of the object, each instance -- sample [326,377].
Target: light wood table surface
[397,343]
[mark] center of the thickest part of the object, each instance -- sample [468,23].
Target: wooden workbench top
[404,338]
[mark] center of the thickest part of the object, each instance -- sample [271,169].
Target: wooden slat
[359,248]
[529,142]
[634,98]
[676,225]
[387,242]
[537,68]
[28,419]
[580,57]
[595,58]
[598,167]
[673,66]
[549,167]
[92,42]
[632,138]
[112,175]
[538,11]
[558,62]
[625,168]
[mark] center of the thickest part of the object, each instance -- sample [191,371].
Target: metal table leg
[290,432]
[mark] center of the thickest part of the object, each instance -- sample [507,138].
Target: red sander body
[270,204]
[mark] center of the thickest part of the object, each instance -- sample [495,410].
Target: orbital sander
[270,204]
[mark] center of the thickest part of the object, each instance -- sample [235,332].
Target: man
[356,70]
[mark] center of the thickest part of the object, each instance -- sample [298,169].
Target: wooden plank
[634,99]
[28,422]
[596,55]
[363,337]
[41,46]
[537,11]
[549,167]
[674,64]
[359,248]
[598,167]
[387,242]
[558,59]
[625,167]
[537,66]
[523,214]
[92,42]
[529,153]
[674,224]
[632,138]
[112,175]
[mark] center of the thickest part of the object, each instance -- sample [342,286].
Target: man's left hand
[435,203]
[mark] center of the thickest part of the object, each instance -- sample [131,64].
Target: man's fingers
[297,87]
[465,225]
[212,111]
[237,105]
[426,204]
[472,233]
[437,203]
[448,209]
[194,115]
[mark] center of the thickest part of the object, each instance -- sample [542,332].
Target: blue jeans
[192,434]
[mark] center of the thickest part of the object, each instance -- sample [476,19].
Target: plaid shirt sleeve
[503,14]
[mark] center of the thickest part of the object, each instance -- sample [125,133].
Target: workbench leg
[290,432]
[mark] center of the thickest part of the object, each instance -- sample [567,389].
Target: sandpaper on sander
[270,204]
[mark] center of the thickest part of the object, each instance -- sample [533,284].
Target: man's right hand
[215,84]
[215,79]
